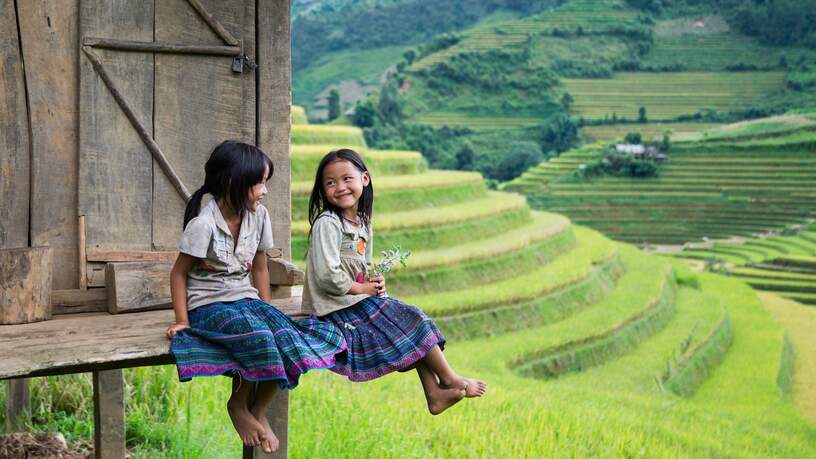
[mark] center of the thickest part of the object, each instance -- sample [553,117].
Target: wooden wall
[67,149]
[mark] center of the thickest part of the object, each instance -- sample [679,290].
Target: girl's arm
[178,292]
[260,276]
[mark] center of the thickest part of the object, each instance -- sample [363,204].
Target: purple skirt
[383,335]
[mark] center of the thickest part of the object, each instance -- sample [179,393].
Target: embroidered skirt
[254,340]
[383,335]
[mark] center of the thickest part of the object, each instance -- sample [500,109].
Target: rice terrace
[610,207]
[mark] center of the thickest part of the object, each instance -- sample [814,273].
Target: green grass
[339,136]
[305,159]
[667,95]
[299,115]
[616,132]
[439,119]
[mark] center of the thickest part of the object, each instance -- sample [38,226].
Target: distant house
[641,151]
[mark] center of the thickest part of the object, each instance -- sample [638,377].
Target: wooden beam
[131,255]
[156,47]
[282,272]
[83,253]
[109,414]
[214,24]
[18,407]
[274,75]
[74,301]
[138,286]
[141,130]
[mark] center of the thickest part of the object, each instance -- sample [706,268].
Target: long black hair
[232,170]
[318,201]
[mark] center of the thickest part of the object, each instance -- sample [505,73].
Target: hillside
[591,347]
[605,67]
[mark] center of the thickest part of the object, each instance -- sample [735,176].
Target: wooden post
[25,275]
[18,408]
[109,414]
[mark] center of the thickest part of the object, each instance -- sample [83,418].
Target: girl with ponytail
[220,291]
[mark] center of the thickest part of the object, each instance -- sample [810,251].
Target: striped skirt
[383,335]
[254,340]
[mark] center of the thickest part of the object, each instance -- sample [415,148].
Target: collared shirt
[222,271]
[338,253]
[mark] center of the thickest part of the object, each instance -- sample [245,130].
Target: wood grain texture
[25,285]
[274,111]
[92,341]
[15,155]
[200,102]
[19,403]
[109,414]
[49,30]
[138,286]
[116,168]
[282,272]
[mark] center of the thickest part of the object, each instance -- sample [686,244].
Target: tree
[465,157]
[364,114]
[559,134]
[519,157]
[389,107]
[633,138]
[334,104]
[567,100]
[642,115]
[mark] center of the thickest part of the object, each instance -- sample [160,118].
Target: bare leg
[436,361]
[263,398]
[438,399]
[248,428]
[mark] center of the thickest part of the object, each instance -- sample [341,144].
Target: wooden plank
[92,341]
[153,47]
[138,286]
[49,30]
[109,414]
[15,154]
[202,101]
[132,255]
[274,111]
[80,300]
[25,275]
[18,408]
[116,168]
[96,274]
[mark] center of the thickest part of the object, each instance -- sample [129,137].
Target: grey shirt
[221,273]
[338,251]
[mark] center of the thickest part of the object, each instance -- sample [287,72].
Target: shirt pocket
[221,247]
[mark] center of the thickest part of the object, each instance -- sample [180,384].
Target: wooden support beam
[141,130]
[282,272]
[131,255]
[109,414]
[214,24]
[155,47]
[18,407]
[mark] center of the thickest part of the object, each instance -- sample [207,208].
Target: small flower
[349,326]
[361,246]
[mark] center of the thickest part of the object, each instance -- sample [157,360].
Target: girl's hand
[379,284]
[175,328]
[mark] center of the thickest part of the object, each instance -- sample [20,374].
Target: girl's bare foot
[249,429]
[270,442]
[441,399]
[472,387]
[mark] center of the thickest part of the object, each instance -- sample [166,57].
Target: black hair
[232,170]
[318,201]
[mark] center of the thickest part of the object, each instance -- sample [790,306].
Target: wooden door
[171,63]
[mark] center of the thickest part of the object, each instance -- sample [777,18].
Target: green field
[668,95]
[591,347]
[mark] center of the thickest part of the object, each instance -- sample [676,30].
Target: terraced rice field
[783,265]
[439,119]
[591,16]
[761,178]
[616,132]
[668,95]
[591,349]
